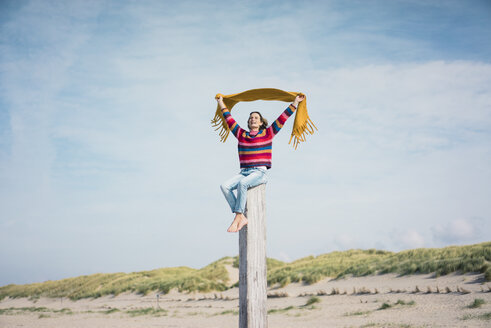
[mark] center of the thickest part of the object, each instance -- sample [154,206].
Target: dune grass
[386,325]
[147,311]
[33,309]
[385,306]
[356,313]
[233,312]
[441,261]
[44,312]
[402,302]
[212,277]
[309,270]
[282,310]
[484,316]
[312,300]
[478,302]
[113,310]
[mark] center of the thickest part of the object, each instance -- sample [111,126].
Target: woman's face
[254,121]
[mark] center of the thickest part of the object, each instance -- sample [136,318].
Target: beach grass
[113,310]
[233,312]
[388,305]
[356,313]
[33,309]
[441,261]
[312,300]
[156,312]
[478,302]
[282,310]
[385,306]
[483,316]
[214,277]
[402,302]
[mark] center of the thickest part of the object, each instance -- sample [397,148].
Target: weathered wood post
[252,262]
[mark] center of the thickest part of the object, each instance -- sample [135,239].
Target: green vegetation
[442,261]
[307,306]
[271,311]
[147,311]
[43,311]
[32,309]
[478,302]
[234,312]
[12,310]
[385,306]
[214,277]
[483,316]
[111,311]
[401,302]
[312,300]
[385,325]
[357,313]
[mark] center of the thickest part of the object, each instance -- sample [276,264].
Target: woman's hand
[220,102]
[298,99]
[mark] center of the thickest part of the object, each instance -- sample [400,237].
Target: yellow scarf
[302,125]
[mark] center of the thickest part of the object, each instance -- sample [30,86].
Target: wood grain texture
[252,262]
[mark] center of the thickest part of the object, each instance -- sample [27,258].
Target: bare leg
[239,222]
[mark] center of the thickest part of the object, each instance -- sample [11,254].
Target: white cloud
[411,239]
[457,231]
[344,241]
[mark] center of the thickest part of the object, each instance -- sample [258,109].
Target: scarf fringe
[299,133]
[218,122]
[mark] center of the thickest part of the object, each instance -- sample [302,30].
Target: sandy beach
[372,301]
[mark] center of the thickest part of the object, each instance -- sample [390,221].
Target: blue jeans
[247,178]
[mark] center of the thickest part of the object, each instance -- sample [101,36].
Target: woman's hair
[264,122]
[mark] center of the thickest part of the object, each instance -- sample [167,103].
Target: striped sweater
[256,150]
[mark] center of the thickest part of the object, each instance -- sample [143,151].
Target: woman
[255,150]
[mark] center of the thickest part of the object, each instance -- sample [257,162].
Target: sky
[109,163]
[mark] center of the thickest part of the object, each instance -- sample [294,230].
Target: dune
[345,300]
[372,301]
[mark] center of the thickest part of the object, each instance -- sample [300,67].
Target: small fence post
[252,262]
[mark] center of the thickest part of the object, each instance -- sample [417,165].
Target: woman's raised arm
[278,124]
[232,124]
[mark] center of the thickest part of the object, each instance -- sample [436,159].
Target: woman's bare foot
[243,221]
[239,222]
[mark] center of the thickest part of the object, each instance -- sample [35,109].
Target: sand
[358,304]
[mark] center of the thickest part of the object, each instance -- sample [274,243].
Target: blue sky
[108,161]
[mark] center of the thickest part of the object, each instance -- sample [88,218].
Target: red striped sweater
[256,150]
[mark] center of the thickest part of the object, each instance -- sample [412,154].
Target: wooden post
[252,262]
